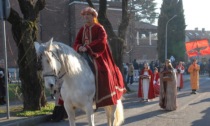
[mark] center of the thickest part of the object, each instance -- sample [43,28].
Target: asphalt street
[193,110]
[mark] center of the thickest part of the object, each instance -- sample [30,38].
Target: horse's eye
[48,61]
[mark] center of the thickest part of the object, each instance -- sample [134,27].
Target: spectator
[2,87]
[125,71]
[130,74]
[135,65]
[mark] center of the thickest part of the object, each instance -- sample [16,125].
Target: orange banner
[192,47]
[205,51]
[191,54]
[196,44]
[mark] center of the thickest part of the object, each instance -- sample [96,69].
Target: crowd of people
[162,80]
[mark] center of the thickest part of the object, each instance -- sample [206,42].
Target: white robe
[145,85]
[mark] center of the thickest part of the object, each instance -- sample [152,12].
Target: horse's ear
[40,48]
[49,44]
[36,45]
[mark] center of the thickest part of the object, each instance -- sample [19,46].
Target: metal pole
[5,56]
[5,66]
[166,46]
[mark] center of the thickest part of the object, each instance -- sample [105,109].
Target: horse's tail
[119,114]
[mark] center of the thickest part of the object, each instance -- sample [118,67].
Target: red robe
[181,77]
[109,80]
[157,84]
[151,92]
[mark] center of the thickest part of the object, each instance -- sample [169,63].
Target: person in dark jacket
[2,87]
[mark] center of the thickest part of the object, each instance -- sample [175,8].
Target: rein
[53,73]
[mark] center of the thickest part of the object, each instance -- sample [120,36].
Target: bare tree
[25,32]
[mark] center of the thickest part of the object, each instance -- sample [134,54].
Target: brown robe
[168,92]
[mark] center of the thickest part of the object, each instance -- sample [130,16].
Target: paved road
[193,110]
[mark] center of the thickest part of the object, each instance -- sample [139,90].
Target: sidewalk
[32,121]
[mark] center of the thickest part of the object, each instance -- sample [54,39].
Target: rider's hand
[82,49]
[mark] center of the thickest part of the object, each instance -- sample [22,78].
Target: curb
[30,121]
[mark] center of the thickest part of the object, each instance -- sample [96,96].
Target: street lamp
[166,47]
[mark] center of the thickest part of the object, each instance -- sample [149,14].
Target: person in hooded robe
[168,90]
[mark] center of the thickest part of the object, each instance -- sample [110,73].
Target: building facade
[62,20]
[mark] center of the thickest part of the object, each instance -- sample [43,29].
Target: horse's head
[49,61]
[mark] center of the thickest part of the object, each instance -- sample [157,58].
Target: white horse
[78,88]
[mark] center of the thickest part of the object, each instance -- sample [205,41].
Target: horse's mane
[72,62]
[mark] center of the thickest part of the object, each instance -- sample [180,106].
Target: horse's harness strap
[54,74]
[49,75]
[61,75]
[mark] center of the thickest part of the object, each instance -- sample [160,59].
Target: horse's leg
[118,113]
[109,114]
[89,113]
[71,113]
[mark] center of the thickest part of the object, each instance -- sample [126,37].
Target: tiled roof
[144,25]
[197,34]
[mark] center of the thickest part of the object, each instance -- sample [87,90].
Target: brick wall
[62,21]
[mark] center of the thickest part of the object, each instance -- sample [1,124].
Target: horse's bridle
[54,75]
[51,73]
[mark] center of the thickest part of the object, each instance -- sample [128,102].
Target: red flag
[192,47]
[205,51]
[191,54]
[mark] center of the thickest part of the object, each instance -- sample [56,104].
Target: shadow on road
[144,116]
[205,120]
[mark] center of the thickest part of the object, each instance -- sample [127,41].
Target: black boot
[192,92]
[59,113]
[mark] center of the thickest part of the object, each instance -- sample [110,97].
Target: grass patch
[18,111]
[44,111]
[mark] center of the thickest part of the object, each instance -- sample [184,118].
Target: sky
[196,13]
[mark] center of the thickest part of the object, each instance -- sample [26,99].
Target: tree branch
[125,20]
[90,3]
[40,4]
[14,17]
[102,17]
[25,5]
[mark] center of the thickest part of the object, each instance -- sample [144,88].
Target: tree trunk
[25,33]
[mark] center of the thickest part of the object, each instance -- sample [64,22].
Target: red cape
[157,76]
[151,92]
[109,80]
[181,78]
